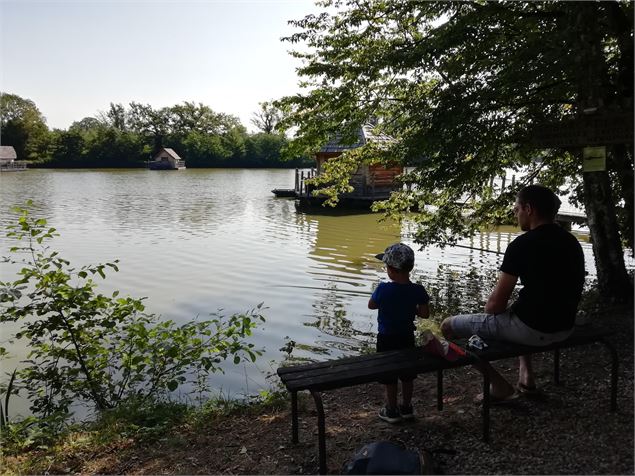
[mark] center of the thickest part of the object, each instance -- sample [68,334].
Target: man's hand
[497,301]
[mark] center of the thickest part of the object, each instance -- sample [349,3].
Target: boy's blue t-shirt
[398,306]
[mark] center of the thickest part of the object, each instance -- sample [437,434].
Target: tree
[117,116]
[22,126]
[462,86]
[68,147]
[151,123]
[87,124]
[191,117]
[267,118]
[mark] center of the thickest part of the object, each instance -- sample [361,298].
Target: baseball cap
[399,256]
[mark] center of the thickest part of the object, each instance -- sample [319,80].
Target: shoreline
[569,430]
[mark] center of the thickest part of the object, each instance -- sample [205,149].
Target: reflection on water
[195,241]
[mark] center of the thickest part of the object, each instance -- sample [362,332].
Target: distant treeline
[130,136]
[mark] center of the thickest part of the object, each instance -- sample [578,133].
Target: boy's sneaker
[406,412]
[391,415]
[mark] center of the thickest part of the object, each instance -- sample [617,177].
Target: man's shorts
[386,342]
[504,327]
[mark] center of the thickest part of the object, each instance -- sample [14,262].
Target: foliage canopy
[461,86]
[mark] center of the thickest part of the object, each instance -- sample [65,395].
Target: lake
[198,240]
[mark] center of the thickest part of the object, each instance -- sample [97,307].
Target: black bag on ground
[384,457]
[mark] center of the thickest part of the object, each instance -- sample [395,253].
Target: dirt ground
[568,429]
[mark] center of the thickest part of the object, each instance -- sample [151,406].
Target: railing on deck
[12,166]
[301,187]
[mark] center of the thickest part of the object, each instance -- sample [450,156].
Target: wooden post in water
[503,179]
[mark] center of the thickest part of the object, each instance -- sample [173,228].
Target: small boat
[283,192]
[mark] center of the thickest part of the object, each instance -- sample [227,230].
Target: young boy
[399,302]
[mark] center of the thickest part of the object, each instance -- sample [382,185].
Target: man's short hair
[541,199]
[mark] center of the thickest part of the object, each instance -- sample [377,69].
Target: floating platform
[284,192]
[165,166]
[346,202]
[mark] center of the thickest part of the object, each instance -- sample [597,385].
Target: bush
[85,347]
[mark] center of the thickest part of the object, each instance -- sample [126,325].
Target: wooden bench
[346,372]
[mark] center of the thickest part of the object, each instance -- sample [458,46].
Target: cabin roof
[170,152]
[364,135]
[7,152]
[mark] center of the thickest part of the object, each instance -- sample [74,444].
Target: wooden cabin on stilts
[166,159]
[370,182]
[8,162]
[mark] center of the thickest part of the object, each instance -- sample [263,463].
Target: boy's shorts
[386,342]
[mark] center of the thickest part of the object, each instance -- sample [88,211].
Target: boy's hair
[398,256]
[541,199]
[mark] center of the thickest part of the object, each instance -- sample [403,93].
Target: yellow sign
[594,159]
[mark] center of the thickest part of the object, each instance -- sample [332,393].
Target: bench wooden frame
[350,371]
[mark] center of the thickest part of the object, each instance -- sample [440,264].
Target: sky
[73,58]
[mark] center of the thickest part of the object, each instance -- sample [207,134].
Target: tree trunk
[623,161]
[613,280]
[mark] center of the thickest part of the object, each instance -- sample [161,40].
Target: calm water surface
[196,241]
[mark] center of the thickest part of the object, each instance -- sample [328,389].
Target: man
[550,264]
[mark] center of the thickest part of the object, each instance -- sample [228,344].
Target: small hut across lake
[8,158]
[166,159]
[370,182]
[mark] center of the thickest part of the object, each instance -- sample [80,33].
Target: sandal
[527,390]
[498,400]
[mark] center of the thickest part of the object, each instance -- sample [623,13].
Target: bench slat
[502,350]
[328,363]
[368,368]
[360,371]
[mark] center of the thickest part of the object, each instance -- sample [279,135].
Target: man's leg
[499,387]
[526,372]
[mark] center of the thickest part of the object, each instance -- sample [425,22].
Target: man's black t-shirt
[550,264]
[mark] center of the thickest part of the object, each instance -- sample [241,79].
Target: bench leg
[439,390]
[294,417]
[321,431]
[614,366]
[486,404]
[556,366]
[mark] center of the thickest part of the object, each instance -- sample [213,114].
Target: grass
[133,423]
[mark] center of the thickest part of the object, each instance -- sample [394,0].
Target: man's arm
[497,301]
[423,311]
[372,304]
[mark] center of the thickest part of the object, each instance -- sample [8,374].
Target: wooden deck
[13,167]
